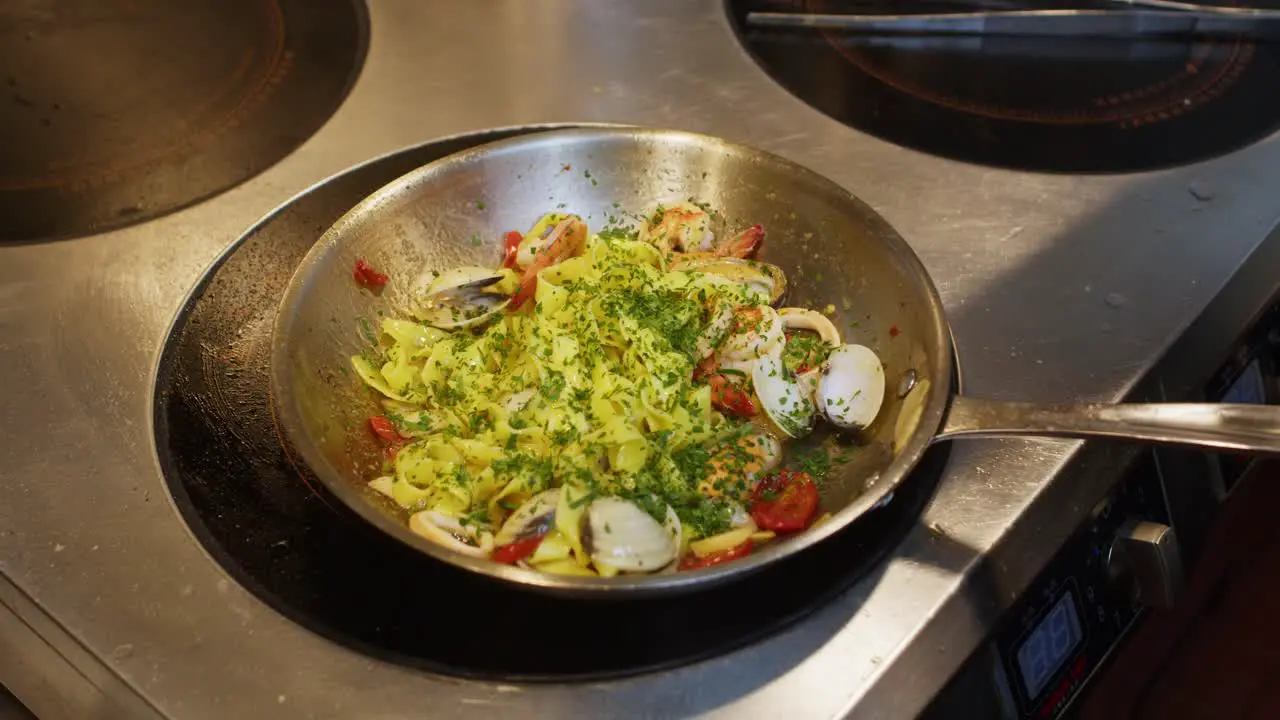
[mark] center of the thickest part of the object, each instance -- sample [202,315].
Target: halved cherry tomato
[511,247]
[693,562]
[385,429]
[785,502]
[567,240]
[367,276]
[745,244]
[508,554]
[728,397]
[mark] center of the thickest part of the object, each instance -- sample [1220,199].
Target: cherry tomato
[367,276]
[727,397]
[785,502]
[570,240]
[693,562]
[508,554]
[384,428]
[510,247]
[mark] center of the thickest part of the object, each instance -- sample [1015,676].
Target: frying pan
[838,255]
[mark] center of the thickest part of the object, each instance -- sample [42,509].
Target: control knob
[1144,563]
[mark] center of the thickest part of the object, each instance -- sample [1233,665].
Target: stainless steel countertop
[1058,287]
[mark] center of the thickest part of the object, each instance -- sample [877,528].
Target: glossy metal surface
[1096,24]
[426,220]
[1145,563]
[1057,287]
[1219,426]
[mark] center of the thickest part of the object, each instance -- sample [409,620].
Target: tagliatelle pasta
[574,411]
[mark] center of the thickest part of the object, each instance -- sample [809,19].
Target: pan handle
[1252,429]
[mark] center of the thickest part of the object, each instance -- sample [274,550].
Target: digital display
[1248,388]
[1048,646]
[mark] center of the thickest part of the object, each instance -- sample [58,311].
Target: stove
[159,558]
[1030,103]
[118,112]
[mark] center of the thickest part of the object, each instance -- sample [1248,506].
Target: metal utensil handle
[1125,24]
[1253,429]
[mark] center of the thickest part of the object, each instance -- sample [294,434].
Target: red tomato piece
[508,554]
[693,562]
[567,240]
[385,429]
[510,247]
[368,277]
[785,502]
[727,397]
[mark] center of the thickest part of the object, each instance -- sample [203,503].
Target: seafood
[782,397]
[684,227]
[768,281]
[461,297]
[757,332]
[449,532]
[624,537]
[755,455]
[567,239]
[850,387]
[803,319]
[535,517]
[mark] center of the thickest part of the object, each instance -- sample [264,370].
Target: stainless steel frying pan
[835,250]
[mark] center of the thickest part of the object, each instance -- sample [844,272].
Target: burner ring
[102,135]
[1039,104]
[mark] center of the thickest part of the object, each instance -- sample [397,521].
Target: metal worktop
[1058,287]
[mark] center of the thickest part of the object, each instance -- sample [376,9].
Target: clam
[783,398]
[623,536]
[851,387]
[535,517]
[762,278]
[461,297]
[447,531]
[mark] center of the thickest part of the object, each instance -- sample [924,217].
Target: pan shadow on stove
[317,564]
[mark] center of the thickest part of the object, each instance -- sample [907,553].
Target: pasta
[603,403]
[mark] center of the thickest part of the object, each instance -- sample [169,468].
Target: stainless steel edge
[1253,429]
[1058,288]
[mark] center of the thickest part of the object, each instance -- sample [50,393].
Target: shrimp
[681,228]
[687,228]
[568,239]
[741,465]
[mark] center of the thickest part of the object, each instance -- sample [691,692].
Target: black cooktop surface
[116,112]
[1029,103]
[308,557]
